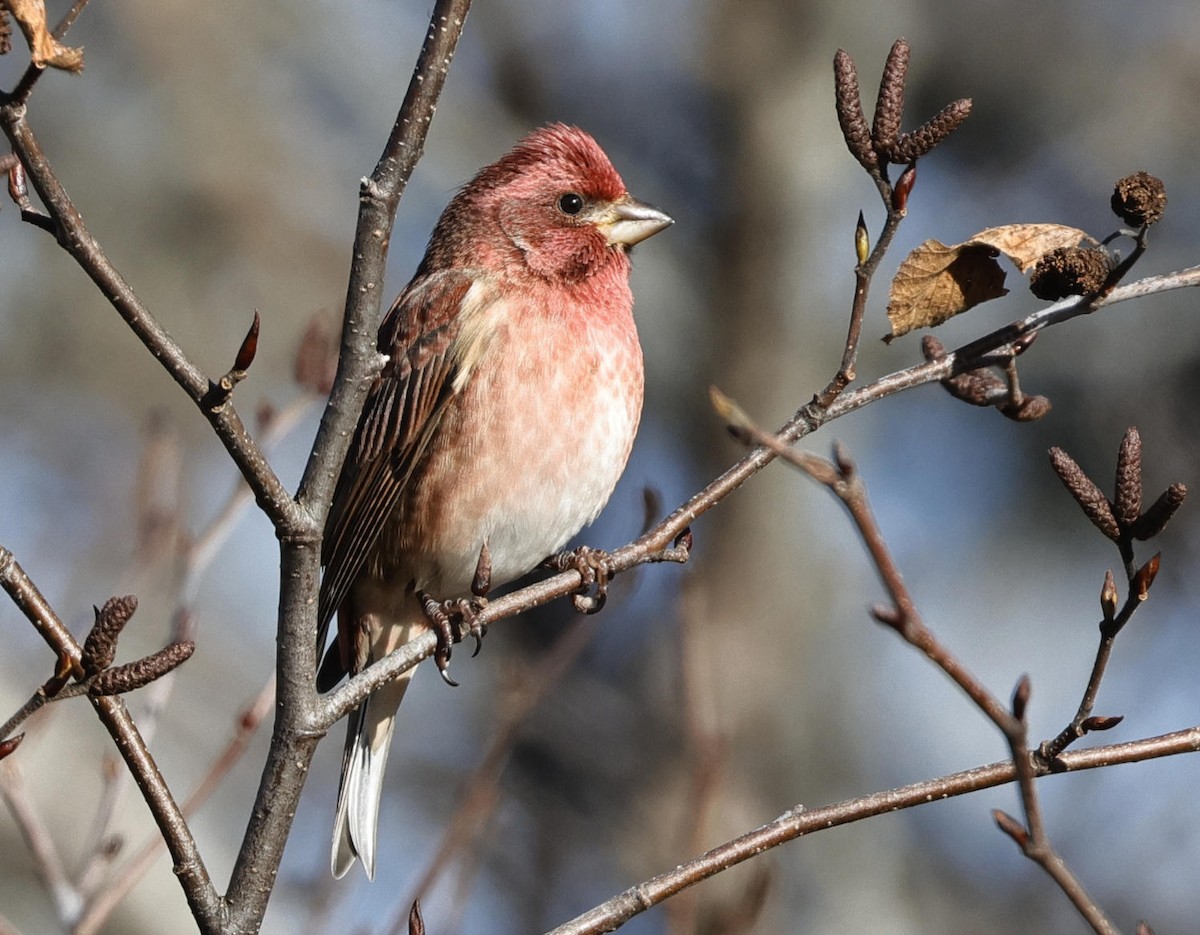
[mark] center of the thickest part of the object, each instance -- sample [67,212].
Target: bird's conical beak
[630,221]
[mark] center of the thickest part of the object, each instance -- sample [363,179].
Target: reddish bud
[888,616]
[8,746]
[1021,696]
[904,187]
[1145,577]
[245,354]
[416,925]
[1101,723]
[684,539]
[17,189]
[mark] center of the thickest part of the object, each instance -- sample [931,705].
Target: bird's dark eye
[570,203]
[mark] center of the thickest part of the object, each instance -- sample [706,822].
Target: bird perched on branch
[497,428]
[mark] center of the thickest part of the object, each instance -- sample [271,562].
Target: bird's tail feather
[368,737]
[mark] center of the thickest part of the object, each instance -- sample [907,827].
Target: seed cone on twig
[100,647]
[1139,199]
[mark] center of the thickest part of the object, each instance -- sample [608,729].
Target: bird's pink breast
[531,448]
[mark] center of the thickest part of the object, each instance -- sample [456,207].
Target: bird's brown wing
[404,406]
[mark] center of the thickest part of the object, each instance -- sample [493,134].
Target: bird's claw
[441,616]
[595,568]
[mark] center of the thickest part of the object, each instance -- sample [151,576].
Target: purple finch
[501,421]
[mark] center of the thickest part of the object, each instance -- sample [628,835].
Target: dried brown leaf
[44,49]
[1025,244]
[936,282]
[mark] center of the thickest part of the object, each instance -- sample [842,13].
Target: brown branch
[706,746]
[846,484]
[103,885]
[299,724]
[135,868]
[201,895]
[379,199]
[976,354]
[656,545]
[863,274]
[799,821]
[74,237]
[1121,520]
[1032,838]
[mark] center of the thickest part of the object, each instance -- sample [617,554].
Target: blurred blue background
[216,151]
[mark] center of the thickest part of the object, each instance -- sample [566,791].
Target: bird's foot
[443,617]
[594,567]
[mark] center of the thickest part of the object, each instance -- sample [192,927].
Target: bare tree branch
[299,725]
[799,821]
[76,239]
[201,895]
[657,544]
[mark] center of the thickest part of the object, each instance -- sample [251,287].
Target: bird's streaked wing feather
[403,408]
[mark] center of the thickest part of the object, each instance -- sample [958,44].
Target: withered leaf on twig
[936,282]
[44,49]
[1025,244]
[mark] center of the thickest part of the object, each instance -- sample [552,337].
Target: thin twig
[1075,730]
[379,199]
[706,746]
[298,725]
[135,868]
[864,272]
[46,861]
[844,481]
[198,553]
[74,236]
[656,544]
[1032,839]
[799,822]
[197,886]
